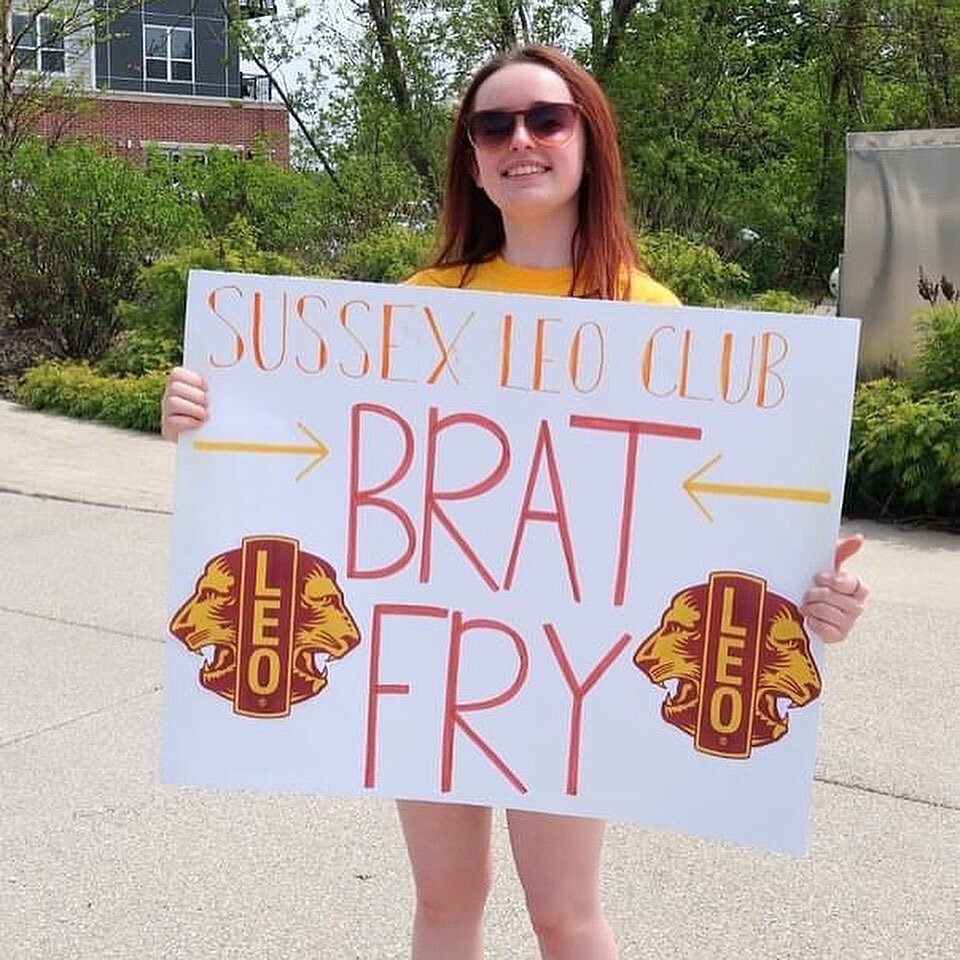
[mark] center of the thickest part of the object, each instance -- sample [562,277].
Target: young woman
[535,203]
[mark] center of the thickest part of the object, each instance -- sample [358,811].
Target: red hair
[604,243]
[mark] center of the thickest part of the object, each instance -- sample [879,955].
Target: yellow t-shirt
[498,276]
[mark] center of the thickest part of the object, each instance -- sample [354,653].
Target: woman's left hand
[831,607]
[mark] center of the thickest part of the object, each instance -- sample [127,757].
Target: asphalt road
[98,861]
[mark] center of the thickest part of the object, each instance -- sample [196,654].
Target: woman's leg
[449,847]
[558,860]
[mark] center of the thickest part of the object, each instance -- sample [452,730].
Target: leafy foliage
[937,364]
[155,318]
[904,453]
[904,459]
[135,352]
[76,229]
[388,255]
[286,210]
[78,391]
[695,272]
[779,301]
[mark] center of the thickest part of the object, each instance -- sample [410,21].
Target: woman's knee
[453,894]
[551,913]
[563,927]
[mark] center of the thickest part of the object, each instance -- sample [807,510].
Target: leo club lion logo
[731,649]
[264,612]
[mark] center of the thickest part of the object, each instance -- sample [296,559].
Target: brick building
[164,73]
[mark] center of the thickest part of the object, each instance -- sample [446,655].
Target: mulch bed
[20,348]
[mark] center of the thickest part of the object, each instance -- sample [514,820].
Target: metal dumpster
[902,213]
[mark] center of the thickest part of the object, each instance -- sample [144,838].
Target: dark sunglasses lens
[551,122]
[492,128]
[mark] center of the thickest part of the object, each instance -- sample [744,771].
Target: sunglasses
[549,124]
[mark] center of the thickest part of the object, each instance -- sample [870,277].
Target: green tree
[78,227]
[926,55]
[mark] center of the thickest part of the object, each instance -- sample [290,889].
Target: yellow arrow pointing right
[317,448]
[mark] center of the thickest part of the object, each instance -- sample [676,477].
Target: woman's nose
[520,137]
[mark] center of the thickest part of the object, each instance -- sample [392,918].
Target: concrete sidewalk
[98,861]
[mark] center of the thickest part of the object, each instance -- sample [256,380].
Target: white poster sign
[522,551]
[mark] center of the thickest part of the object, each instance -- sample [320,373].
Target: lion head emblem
[675,652]
[263,615]
[730,654]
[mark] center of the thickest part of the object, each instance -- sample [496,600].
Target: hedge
[75,389]
[904,460]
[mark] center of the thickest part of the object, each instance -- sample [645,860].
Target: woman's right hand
[184,405]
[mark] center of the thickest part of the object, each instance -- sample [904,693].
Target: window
[181,154]
[168,53]
[39,42]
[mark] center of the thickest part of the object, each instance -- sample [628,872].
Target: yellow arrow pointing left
[694,485]
[317,448]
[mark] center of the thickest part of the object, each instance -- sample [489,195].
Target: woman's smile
[525,169]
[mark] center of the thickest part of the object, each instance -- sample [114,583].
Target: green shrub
[937,365]
[286,209]
[695,272]
[76,228]
[136,352]
[156,316]
[904,456]
[76,390]
[387,255]
[779,301]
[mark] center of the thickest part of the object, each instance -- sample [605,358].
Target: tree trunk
[382,16]
[506,38]
[619,16]
[846,75]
